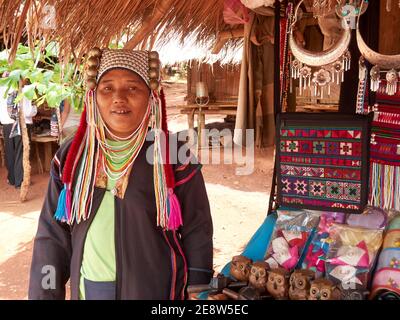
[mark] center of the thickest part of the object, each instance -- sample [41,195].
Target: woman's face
[122,99]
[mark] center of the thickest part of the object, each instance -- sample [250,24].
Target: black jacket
[150,262]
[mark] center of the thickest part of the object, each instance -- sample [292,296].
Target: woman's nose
[119,96]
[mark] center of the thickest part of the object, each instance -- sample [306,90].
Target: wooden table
[222,107]
[47,141]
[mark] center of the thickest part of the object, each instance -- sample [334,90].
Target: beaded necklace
[116,160]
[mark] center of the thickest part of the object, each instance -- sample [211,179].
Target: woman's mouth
[120,112]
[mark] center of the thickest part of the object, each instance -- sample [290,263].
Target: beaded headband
[145,63]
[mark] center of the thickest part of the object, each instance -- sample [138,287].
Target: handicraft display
[322,161]
[383,79]
[323,289]
[387,275]
[385,70]
[331,64]
[240,268]
[292,231]
[300,283]
[259,276]
[278,283]
[318,248]
[351,258]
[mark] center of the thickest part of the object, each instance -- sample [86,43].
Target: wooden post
[25,156]
[201,126]
[47,155]
[39,161]
[224,36]
[190,118]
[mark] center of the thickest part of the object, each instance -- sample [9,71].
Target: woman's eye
[132,88]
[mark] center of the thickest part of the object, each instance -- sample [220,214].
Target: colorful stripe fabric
[323,161]
[385,152]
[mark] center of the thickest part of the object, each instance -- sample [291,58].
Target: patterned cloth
[386,127]
[323,161]
[136,61]
[385,151]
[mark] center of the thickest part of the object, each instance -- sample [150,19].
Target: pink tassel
[68,203]
[175,214]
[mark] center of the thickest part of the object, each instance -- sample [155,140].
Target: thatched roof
[78,25]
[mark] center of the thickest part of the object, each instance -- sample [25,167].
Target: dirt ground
[238,206]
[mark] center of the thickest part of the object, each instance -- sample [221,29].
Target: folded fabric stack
[316,253]
[386,282]
[292,233]
[351,258]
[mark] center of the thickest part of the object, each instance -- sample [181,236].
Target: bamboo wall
[222,81]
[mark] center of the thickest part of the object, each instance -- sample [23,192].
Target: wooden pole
[25,156]
[224,36]
[149,25]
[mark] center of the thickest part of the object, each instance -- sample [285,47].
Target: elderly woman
[120,220]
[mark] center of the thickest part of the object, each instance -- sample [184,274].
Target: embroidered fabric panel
[385,152]
[385,145]
[322,166]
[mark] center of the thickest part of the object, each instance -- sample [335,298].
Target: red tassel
[169,174]
[173,205]
[73,150]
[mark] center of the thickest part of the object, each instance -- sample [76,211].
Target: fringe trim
[385,186]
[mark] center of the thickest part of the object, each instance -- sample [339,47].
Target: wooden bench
[220,107]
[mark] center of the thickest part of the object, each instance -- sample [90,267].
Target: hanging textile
[385,151]
[322,161]
[256,89]
[235,12]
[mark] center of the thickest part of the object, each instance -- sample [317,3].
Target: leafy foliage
[50,82]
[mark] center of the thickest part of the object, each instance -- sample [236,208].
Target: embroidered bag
[323,161]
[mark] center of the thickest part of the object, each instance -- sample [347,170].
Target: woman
[9,112]
[69,120]
[120,220]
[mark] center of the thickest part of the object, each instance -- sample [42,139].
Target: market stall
[332,226]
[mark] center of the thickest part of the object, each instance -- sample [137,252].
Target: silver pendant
[391,85]
[295,69]
[338,71]
[305,78]
[375,78]
[331,64]
[321,79]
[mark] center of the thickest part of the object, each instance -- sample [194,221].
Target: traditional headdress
[85,153]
